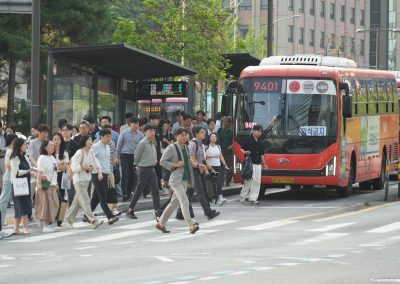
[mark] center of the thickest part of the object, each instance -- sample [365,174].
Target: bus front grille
[300,173]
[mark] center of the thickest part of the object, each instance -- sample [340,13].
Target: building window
[311,42]
[290,5]
[301,36]
[332,14]
[312,7]
[290,38]
[301,8]
[322,40]
[362,17]
[342,13]
[322,11]
[353,15]
[362,44]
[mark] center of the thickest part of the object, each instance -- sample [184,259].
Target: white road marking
[6,265]
[319,238]
[387,228]
[287,264]
[48,260]
[335,255]
[126,243]
[139,225]
[260,268]
[5,257]
[114,236]
[49,236]
[240,272]
[216,223]
[83,248]
[330,227]
[180,236]
[164,259]
[381,243]
[209,278]
[269,225]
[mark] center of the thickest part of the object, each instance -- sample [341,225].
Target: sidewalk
[143,203]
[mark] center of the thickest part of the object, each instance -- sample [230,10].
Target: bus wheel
[379,183]
[261,194]
[346,191]
[365,185]
[295,187]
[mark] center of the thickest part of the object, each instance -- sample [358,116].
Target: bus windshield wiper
[302,132]
[273,123]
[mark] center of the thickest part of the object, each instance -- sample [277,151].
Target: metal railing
[387,178]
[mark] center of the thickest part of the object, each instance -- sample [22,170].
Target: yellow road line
[356,212]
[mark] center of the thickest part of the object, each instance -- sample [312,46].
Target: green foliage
[192,32]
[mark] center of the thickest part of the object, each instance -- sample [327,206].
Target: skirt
[46,204]
[22,206]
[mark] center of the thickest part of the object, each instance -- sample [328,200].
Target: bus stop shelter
[100,80]
[239,61]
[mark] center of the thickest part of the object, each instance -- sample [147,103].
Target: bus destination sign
[161,89]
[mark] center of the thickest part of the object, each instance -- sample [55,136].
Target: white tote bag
[20,186]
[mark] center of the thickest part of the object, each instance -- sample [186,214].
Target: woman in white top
[214,158]
[21,168]
[83,164]
[46,201]
[6,189]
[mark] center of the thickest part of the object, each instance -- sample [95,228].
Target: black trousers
[100,195]
[146,177]
[128,180]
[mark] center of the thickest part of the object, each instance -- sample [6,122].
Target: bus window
[382,97]
[353,91]
[362,97]
[372,97]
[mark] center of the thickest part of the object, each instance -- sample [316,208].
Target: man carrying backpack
[253,148]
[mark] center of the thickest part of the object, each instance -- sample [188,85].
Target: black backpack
[247,169]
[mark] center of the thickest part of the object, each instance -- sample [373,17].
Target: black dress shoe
[131,215]
[162,228]
[125,198]
[212,215]
[112,220]
[85,219]
[194,229]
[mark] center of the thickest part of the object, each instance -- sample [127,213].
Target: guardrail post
[387,182]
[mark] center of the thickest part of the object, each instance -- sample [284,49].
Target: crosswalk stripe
[180,236]
[387,228]
[269,225]
[140,225]
[49,236]
[217,223]
[319,238]
[115,236]
[381,243]
[330,227]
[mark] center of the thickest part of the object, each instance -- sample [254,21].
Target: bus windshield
[298,115]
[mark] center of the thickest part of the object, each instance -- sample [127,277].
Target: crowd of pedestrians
[72,171]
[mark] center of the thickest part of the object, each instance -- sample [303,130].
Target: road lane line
[269,225]
[209,278]
[164,259]
[387,228]
[83,248]
[356,212]
[381,243]
[330,227]
[116,236]
[240,272]
[319,238]
[180,236]
[6,265]
[139,225]
[49,236]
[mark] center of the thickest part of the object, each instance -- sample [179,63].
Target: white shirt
[213,153]
[46,165]
[65,160]
[85,159]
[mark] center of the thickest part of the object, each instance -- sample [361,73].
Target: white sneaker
[40,224]
[47,229]
[67,225]
[221,201]
[254,202]
[97,223]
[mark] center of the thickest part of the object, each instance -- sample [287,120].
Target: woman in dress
[214,159]
[7,188]
[83,164]
[21,168]
[166,139]
[46,202]
[62,162]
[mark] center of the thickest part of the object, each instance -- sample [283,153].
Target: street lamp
[277,33]
[377,30]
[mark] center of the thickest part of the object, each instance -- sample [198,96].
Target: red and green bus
[326,122]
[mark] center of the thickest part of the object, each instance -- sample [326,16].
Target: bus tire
[365,185]
[295,187]
[346,191]
[261,194]
[379,183]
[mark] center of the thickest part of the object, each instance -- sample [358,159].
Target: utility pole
[35,57]
[270,27]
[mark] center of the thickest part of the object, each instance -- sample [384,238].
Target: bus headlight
[330,168]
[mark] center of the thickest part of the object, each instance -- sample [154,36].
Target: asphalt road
[292,237]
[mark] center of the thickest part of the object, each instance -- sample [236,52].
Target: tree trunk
[11,91]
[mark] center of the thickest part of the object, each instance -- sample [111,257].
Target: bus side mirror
[347,105]
[227,98]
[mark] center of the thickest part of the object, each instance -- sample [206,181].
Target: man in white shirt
[101,151]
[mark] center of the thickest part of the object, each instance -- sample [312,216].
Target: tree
[191,32]
[252,42]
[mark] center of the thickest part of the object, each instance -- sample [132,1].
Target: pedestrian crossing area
[128,232]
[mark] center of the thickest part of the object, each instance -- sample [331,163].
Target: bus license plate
[283,180]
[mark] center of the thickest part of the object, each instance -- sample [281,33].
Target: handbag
[247,170]
[20,186]
[46,183]
[65,181]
